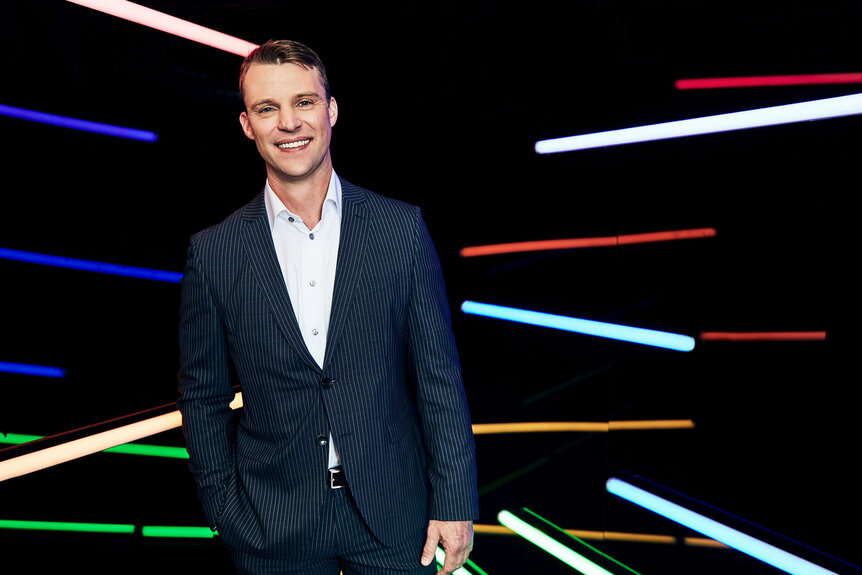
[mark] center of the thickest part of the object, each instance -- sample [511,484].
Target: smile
[296,144]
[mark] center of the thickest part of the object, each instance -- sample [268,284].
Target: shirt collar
[274,206]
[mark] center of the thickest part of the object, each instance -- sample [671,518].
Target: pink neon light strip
[763,336]
[170,24]
[541,245]
[760,81]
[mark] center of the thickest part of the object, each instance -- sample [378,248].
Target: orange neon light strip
[610,536]
[170,24]
[30,462]
[765,81]
[588,426]
[763,336]
[573,243]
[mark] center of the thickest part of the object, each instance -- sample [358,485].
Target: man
[324,303]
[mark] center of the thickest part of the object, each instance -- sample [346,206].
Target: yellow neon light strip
[30,462]
[589,426]
[611,536]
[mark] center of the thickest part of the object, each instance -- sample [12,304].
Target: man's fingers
[430,545]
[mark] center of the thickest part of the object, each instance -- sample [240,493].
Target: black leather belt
[336,478]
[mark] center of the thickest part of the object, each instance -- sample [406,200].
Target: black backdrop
[440,105]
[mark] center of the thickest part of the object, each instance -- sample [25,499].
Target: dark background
[440,104]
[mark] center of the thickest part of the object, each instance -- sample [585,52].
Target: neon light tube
[67,526]
[761,81]
[90,266]
[731,537]
[588,426]
[574,243]
[440,557]
[170,24]
[30,462]
[128,449]
[757,118]
[584,326]
[30,369]
[762,336]
[550,545]
[77,124]
[177,531]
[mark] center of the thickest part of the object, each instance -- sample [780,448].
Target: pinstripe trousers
[343,544]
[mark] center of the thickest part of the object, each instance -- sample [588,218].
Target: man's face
[290,120]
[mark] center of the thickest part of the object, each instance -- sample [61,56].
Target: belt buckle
[333,473]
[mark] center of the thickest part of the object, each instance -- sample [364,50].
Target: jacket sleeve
[441,400]
[205,387]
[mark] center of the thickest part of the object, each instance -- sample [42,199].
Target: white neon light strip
[757,118]
[550,545]
[170,24]
[740,541]
[584,326]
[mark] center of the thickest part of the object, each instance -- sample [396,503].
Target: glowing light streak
[54,455]
[90,266]
[731,537]
[440,557]
[757,118]
[584,326]
[78,124]
[765,81]
[31,369]
[66,526]
[170,24]
[550,545]
[588,426]
[611,536]
[177,532]
[575,243]
[762,336]
[128,449]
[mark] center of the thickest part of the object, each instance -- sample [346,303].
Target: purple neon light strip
[77,124]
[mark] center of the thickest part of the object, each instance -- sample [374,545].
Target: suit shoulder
[385,206]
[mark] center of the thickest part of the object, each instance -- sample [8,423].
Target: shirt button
[290,219]
[314,332]
[312,283]
[311,236]
[321,440]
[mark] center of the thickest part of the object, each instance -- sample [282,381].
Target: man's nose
[288,120]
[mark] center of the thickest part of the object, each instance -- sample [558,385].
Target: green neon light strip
[583,543]
[440,556]
[128,448]
[550,545]
[67,526]
[177,531]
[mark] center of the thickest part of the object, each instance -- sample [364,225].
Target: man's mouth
[295,144]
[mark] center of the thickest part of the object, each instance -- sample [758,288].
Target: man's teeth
[293,144]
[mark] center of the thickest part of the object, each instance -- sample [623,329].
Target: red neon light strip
[573,243]
[760,81]
[170,24]
[763,336]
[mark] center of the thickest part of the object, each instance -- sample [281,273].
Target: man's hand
[455,537]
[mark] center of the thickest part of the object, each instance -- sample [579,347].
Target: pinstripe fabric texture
[390,387]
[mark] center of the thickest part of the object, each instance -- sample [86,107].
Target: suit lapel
[351,260]
[257,241]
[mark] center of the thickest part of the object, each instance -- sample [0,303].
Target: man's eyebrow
[308,95]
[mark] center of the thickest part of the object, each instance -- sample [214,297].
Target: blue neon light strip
[76,124]
[90,266]
[740,541]
[29,369]
[584,326]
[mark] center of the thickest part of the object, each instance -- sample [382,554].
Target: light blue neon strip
[76,124]
[731,537]
[90,266]
[550,545]
[29,369]
[589,327]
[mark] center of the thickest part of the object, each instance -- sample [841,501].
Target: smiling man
[325,304]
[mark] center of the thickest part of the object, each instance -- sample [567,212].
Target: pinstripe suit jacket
[390,387]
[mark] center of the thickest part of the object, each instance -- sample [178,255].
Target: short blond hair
[284,52]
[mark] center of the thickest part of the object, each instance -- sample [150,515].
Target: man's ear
[333,111]
[246,125]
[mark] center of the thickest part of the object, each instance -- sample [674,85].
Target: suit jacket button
[321,439]
[326,383]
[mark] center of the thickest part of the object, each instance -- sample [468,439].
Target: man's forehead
[286,73]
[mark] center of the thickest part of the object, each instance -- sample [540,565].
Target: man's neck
[303,198]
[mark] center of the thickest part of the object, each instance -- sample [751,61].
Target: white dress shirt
[307,258]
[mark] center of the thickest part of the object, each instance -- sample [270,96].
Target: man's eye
[304,103]
[265,110]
